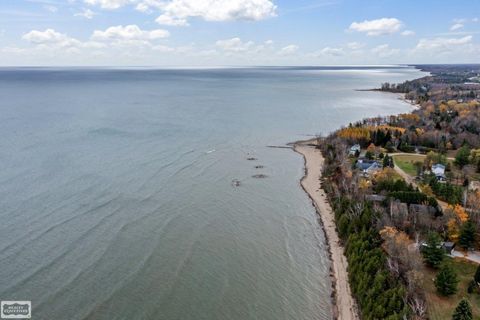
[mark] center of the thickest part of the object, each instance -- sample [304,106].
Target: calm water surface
[116,196]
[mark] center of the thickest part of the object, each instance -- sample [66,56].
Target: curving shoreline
[344,306]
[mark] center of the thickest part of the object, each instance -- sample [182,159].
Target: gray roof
[366,164]
[375,197]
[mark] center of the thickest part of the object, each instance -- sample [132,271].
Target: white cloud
[355,45]
[147,5]
[288,50]
[86,13]
[177,12]
[51,39]
[332,52]
[384,51]
[475,20]
[50,8]
[162,48]
[49,36]
[377,27]
[408,33]
[109,4]
[129,33]
[446,49]
[12,50]
[171,21]
[442,44]
[235,45]
[456,26]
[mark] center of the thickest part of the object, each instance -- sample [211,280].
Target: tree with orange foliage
[401,250]
[405,261]
[458,216]
[355,134]
[453,230]
[460,213]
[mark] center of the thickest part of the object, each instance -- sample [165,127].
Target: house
[421,209]
[354,149]
[448,247]
[438,170]
[374,168]
[368,166]
[375,198]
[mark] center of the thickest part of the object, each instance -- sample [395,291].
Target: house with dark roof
[421,209]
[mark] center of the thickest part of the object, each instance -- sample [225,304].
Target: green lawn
[406,162]
[441,308]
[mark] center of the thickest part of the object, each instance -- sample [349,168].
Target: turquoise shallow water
[116,195]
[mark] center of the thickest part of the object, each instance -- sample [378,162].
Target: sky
[237,32]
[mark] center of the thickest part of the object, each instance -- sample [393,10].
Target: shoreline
[400,96]
[343,304]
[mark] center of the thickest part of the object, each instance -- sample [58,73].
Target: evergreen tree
[461,159]
[446,281]
[386,161]
[388,137]
[433,253]
[476,277]
[390,148]
[467,235]
[463,311]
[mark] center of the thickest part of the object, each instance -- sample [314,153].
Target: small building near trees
[438,170]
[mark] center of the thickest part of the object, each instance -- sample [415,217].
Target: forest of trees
[384,272]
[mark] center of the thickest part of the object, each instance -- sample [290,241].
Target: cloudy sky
[238,32]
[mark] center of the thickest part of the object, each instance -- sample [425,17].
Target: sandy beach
[344,304]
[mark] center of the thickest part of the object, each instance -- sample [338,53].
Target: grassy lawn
[441,308]
[406,162]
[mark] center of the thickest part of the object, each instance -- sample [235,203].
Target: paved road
[473,256]
[413,154]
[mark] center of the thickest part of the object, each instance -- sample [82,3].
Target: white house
[438,170]
[354,149]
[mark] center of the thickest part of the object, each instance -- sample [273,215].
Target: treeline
[414,197]
[379,293]
[447,192]
[406,87]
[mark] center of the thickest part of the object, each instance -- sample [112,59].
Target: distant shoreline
[344,306]
[401,96]
[343,303]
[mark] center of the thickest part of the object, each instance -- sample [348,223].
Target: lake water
[117,193]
